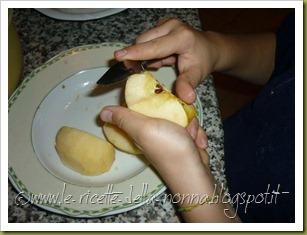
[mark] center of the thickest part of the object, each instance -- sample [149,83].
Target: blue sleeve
[285,46]
[259,140]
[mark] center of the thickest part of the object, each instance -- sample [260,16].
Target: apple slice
[120,139]
[144,94]
[139,86]
[164,105]
[83,152]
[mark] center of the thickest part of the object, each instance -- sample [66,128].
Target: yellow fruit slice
[164,105]
[120,139]
[144,94]
[83,152]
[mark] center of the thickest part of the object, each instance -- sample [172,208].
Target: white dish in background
[54,95]
[79,14]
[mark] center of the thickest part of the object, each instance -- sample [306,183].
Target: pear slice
[83,152]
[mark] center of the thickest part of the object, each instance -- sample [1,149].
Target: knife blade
[121,70]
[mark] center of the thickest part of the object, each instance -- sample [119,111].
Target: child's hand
[175,42]
[168,146]
[174,152]
[249,57]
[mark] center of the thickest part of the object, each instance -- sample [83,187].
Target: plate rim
[49,12]
[55,59]
[59,209]
[75,213]
[19,186]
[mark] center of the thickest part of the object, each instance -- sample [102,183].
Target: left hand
[174,152]
[165,144]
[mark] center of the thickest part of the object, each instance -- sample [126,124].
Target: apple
[84,152]
[120,139]
[144,94]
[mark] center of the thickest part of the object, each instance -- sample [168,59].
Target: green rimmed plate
[29,172]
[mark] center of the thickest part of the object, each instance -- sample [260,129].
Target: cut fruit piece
[83,152]
[189,110]
[120,139]
[164,105]
[139,86]
[144,94]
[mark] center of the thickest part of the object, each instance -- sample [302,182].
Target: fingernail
[120,53]
[191,96]
[106,115]
[203,143]
[194,132]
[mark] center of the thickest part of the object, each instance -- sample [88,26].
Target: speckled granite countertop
[43,37]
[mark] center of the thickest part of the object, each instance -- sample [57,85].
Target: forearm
[196,186]
[249,57]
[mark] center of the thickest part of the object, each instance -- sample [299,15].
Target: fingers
[130,122]
[154,49]
[147,43]
[192,75]
[173,21]
[204,157]
[165,61]
[124,118]
[185,91]
[198,134]
[192,128]
[201,139]
[157,42]
[165,26]
[186,83]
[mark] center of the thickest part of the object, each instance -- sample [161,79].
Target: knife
[121,70]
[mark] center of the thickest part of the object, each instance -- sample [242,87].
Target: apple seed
[158,89]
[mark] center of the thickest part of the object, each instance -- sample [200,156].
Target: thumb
[186,83]
[124,118]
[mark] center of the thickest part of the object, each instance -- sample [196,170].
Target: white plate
[54,95]
[79,14]
[74,104]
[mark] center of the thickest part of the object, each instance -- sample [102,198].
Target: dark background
[233,93]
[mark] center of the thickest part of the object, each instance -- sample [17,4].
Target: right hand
[172,41]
